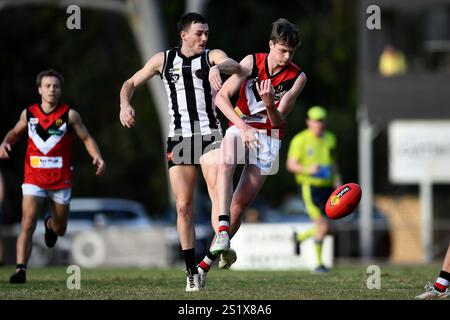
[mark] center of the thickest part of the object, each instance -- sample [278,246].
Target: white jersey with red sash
[49,152]
[250,107]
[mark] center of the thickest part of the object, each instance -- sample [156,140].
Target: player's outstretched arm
[153,66]
[13,136]
[89,142]
[221,64]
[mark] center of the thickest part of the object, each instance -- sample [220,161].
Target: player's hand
[4,149]
[100,164]
[266,92]
[127,116]
[313,169]
[214,78]
[250,137]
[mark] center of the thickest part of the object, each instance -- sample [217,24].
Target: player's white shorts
[264,157]
[61,196]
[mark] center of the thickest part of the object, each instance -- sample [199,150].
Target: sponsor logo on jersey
[173,77]
[54,132]
[34,120]
[46,162]
[59,122]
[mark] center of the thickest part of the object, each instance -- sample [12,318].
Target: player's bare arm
[90,144]
[294,166]
[221,64]
[223,100]
[153,66]
[13,136]
[288,100]
[278,115]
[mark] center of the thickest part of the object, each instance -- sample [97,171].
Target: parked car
[90,214]
[100,213]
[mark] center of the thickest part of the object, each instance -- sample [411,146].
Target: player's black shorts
[188,150]
[318,195]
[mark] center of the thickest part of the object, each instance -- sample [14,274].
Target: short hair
[284,32]
[49,73]
[189,18]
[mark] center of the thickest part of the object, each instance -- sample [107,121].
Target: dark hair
[284,32]
[189,18]
[49,73]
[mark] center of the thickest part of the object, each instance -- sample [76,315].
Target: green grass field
[343,282]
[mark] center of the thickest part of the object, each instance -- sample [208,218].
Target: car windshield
[111,215]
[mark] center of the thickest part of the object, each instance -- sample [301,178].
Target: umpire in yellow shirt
[312,159]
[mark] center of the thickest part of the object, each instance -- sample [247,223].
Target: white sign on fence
[271,246]
[419,150]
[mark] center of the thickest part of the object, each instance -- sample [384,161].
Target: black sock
[189,259]
[444,275]
[22,267]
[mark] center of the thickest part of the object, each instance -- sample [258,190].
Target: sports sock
[21,267]
[207,261]
[442,281]
[302,236]
[318,248]
[189,259]
[224,223]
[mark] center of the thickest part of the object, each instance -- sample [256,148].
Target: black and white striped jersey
[191,98]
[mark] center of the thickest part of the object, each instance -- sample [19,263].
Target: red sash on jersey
[49,152]
[250,107]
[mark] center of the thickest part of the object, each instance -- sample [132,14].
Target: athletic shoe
[50,235]
[202,278]
[19,276]
[227,258]
[192,282]
[432,293]
[321,269]
[221,243]
[297,244]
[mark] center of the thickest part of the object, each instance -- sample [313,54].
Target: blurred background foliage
[97,59]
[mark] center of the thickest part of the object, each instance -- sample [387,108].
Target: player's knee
[184,209]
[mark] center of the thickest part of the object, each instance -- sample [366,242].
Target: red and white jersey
[49,151]
[250,107]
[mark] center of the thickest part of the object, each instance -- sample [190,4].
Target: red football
[343,201]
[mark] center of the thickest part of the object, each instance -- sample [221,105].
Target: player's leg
[230,155]
[31,207]
[182,180]
[314,214]
[246,191]
[440,288]
[56,223]
[249,185]
[312,198]
[209,163]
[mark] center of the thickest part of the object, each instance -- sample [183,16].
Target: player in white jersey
[191,75]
